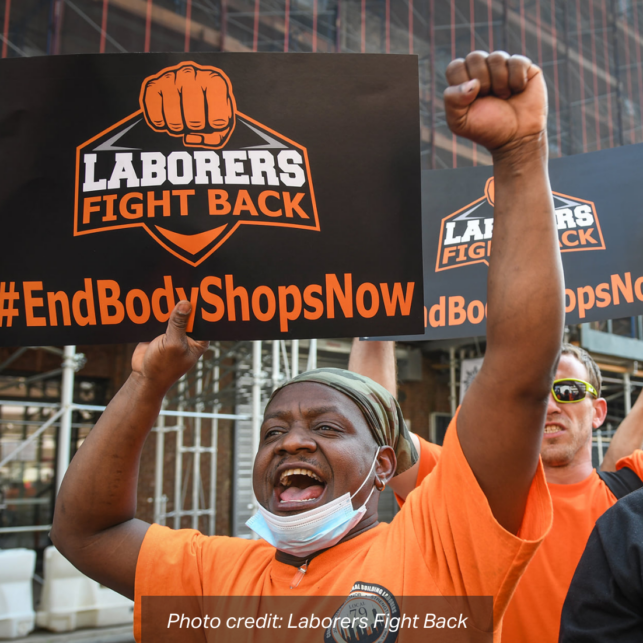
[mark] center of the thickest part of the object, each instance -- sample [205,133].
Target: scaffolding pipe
[276,364]
[312,355]
[66,401]
[294,356]
[452,382]
[196,442]
[214,442]
[627,393]
[159,519]
[256,405]
[178,470]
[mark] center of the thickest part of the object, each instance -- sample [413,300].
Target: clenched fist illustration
[192,101]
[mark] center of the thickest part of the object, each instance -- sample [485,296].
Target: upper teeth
[552,428]
[285,476]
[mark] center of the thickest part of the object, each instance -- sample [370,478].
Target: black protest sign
[597,198]
[280,194]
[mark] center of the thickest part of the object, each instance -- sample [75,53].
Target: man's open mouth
[553,428]
[299,485]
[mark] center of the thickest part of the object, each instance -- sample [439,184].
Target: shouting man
[330,440]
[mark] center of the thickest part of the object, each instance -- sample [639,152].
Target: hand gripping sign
[190,169]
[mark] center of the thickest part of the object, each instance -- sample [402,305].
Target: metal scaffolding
[590,51]
[230,376]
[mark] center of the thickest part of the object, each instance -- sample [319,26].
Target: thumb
[457,100]
[179,322]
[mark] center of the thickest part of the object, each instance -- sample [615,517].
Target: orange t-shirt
[533,615]
[444,542]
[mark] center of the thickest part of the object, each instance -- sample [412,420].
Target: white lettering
[153,168]
[473,230]
[234,170]
[450,239]
[90,185]
[292,174]
[173,168]
[565,219]
[123,169]
[584,216]
[207,163]
[262,162]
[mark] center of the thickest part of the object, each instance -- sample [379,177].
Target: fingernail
[184,307]
[468,86]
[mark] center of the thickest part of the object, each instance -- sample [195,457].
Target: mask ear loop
[368,475]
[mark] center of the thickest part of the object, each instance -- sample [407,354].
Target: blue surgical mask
[305,533]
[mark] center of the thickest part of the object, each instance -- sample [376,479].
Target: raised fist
[495,99]
[192,101]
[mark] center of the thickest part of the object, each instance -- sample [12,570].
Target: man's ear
[386,464]
[600,412]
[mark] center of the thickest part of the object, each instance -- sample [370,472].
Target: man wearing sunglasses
[579,493]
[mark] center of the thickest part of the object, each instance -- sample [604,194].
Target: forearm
[525,284]
[628,437]
[375,360]
[99,488]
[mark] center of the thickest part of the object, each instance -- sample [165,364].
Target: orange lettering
[286,315]
[244,202]
[375,300]
[153,202]
[91,204]
[624,287]
[137,208]
[212,299]
[86,296]
[166,293]
[565,237]
[572,300]
[475,318]
[390,302]
[132,296]
[218,202]
[603,296]
[256,303]
[457,314]
[105,302]
[290,205]
[32,302]
[585,236]
[231,293]
[264,208]
[438,313]
[183,204]
[344,298]
[109,214]
[63,300]
[583,302]
[313,302]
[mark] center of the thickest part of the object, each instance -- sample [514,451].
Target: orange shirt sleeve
[466,550]
[184,564]
[633,461]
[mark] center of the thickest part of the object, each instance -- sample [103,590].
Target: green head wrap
[380,409]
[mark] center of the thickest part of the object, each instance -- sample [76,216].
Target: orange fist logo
[192,101]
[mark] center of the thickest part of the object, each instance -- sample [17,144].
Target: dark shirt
[605,599]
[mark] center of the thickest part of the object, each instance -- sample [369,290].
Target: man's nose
[552,405]
[295,440]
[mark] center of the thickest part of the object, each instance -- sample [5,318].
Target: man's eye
[272,433]
[326,428]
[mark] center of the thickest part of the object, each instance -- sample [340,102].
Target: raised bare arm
[628,437]
[501,102]
[94,525]
[377,361]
